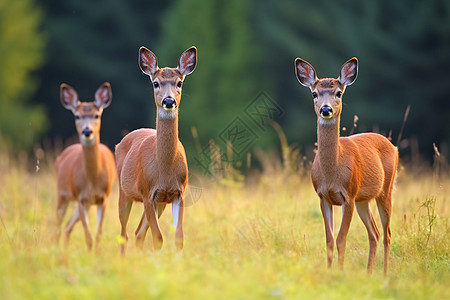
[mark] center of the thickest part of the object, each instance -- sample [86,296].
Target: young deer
[348,170]
[86,171]
[151,164]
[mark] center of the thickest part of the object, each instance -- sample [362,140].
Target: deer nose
[87,132]
[326,111]
[169,103]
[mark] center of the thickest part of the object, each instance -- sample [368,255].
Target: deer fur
[151,164]
[348,171]
[85,171]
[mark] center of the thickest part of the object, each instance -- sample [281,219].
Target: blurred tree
[246,47]
[227,78]
[21,52]
[91,42]
[402,47]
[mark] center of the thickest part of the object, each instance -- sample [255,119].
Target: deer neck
[328,144]
[166,138]
[91,159]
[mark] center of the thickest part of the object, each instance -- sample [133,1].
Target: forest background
[245,74]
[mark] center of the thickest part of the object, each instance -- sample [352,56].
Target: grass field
[259,240]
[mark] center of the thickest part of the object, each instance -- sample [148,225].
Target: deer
[86,170]
[151,163]
[348,171]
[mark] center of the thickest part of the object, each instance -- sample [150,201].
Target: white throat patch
[164,114]
[331,121]
[87,142]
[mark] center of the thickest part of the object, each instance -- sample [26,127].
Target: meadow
[258,238]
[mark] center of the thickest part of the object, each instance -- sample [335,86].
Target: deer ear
[147,61]
[103,96]
[68,97]
[305,73]
[349,71]
[187,61]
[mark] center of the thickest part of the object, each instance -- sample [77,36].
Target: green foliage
[93,42]
[227,77]
[402,49]
[247,47]
[21,53]
[430,218]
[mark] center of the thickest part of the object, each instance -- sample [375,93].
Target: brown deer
[348,171]
[151,164]
[86,171]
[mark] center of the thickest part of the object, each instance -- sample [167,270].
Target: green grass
[262,240]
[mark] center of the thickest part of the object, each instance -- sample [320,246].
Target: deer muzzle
[87,136]
[169,104]
[87,132]
[326,112]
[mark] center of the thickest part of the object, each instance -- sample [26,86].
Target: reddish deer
[151,164]
[348,171]
[86,171]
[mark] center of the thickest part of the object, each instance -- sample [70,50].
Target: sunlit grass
[251,241]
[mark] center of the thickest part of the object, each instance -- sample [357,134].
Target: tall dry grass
[253,237]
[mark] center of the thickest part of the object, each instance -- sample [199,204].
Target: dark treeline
[245,74]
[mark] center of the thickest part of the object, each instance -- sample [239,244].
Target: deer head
[87,114]
[167,82]
[327,92]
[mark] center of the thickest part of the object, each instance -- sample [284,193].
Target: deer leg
[341,240]
[384,209]
[70,224]
[160,207]
[328,218]
[143,226]
[61,209]
[83,211]
[151,213]
[100,218]
[177,213]
[124,214]
[366,216]
[141,230]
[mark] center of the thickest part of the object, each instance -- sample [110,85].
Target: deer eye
[179,84]
[77,117]
[155,84]
[339,94]
[314,94]
[96,116]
